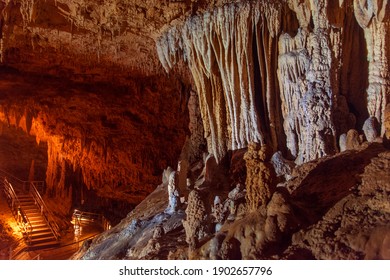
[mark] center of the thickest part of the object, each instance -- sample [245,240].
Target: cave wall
[292,74]
[21,156]
[105,145]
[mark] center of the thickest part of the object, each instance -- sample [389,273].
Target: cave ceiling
[89,40]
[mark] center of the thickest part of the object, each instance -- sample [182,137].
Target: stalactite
[28,11]
[230,48]
[305,71]
[218,47]
[374,17]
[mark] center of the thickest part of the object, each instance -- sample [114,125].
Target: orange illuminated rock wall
[103,142]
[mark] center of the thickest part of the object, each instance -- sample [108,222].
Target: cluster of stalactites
[304,101]
[218,47]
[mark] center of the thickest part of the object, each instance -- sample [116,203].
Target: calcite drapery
[305,69]
[223,47]
[234,52]
[374,17]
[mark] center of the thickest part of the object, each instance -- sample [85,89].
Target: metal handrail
[21,185]
[79,217]
[15,205]
[45,212]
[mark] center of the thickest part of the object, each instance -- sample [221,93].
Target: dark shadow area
[260,94]
[354,75]
[290,23]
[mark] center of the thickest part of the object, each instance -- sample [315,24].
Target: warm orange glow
[15,228]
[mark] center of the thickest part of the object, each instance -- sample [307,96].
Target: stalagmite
[173,193]
[261,176]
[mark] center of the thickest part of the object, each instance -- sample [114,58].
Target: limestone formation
[373,17]
[282,166]
[261,177]
[197,141]
[352,140]
[343,142]
[215,46]
[166,175]
[281,219]
[218,212]
[182,173]
[387,120]
[173,193]
[370,129]
[196,222]
[313,111]
[234,205]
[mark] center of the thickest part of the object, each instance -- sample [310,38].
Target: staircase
[30,211]
[41,235]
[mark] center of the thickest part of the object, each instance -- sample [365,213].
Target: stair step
[44,245]
[33,214]
[41,229]
[42,240]
[26,202]
[24,196]
[39,235]
[21,197]
[28,205]
[36,219]
[32,209]
[37,224]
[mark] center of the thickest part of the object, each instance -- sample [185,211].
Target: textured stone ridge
[267,80]
[261,176]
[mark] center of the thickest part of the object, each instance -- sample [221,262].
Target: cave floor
[70,243]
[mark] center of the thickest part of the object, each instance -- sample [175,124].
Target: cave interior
[225,129]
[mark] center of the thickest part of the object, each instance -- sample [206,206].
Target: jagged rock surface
[196,224]
[261,177]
